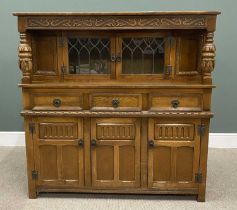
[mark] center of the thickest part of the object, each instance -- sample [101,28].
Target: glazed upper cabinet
[121,56]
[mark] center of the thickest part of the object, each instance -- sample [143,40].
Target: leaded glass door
[144,54]
[89,56]
[123,55]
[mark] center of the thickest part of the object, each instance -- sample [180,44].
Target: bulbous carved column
[25,58]
[208,58]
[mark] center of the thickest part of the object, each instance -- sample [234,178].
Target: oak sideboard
[117,102]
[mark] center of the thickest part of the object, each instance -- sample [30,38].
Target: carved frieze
[117,114]
[95,22]
[25,58]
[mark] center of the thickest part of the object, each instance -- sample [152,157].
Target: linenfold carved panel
[117,22]
[115,131]
[174,131]
[58,130]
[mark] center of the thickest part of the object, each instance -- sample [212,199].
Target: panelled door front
[173,153]
[115,152]
[59,151]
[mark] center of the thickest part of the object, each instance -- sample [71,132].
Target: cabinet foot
[32,194]
[201,198]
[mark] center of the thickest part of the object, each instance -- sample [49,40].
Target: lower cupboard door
[59,152]
[115,152]
[173,153]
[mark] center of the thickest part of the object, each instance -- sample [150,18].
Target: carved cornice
[208,57]
[116,22]
[88,113]
[25,58]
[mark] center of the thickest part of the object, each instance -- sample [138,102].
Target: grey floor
[221,188]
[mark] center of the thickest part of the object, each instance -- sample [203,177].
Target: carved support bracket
[25,58]
[208,58]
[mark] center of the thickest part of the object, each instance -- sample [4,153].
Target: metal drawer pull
[151,143]
[115,102]
[81,143]
[57,102]
[93,142]
[175,103]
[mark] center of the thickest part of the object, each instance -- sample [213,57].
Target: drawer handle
[115,102]
[175,103]
[57,102]
[93,142]
[151,143]
[81,143]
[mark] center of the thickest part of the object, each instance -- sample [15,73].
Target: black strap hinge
[167,72]
[198,178]
[32,127]
[201,129]
[34,174]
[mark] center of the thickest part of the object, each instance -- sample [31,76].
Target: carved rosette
[25,58]
[208,57]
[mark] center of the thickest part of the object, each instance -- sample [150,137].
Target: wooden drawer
[115,102]
[176,102]
[55,101]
